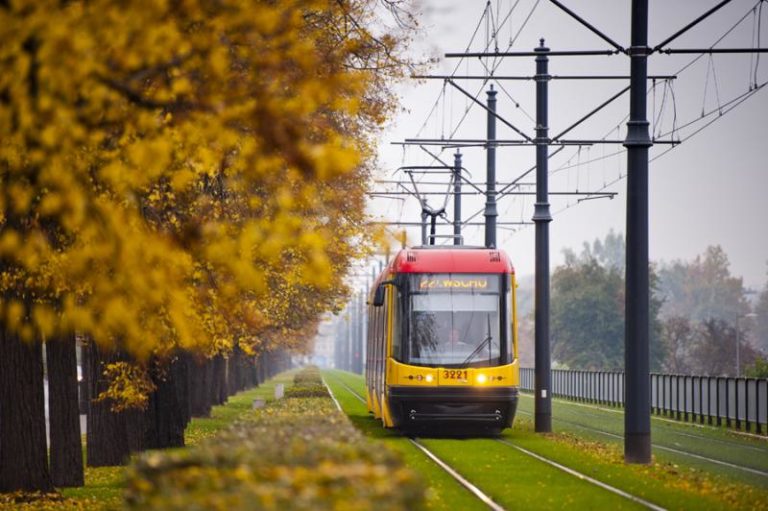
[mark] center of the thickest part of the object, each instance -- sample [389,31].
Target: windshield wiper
[488,339]
[477,351]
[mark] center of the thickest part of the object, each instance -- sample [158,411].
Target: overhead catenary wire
[668,101]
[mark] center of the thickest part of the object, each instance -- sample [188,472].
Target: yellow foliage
[129,386]
[179,175]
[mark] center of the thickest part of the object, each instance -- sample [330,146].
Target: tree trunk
[181,378]
[135,426]
[164,417]
[219,375]
[233,371]
[263,367]
[66,452]
[248,373]
[201,384]
[108,442]
[23,450]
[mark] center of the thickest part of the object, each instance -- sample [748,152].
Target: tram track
[474,490]
[484,497]
[661,447]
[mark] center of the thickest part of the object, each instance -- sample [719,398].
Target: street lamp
[738,341]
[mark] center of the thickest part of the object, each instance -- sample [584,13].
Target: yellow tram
[442,340]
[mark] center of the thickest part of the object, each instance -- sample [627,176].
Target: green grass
[104,485]
[515,480]
[710,442]
[222,416]
[444,492]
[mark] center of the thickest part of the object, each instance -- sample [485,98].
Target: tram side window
[379,340]
[512,325]
[370,351]
[396,333]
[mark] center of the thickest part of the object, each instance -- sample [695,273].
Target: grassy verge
[104,486]
[515,480]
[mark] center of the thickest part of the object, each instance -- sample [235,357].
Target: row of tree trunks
[185,387]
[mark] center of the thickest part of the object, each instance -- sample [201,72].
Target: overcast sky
[712,189]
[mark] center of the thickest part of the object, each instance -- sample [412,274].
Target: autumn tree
[704,304]
[159,162]
[714,349]
[702,289]
[678,338]
[588,309]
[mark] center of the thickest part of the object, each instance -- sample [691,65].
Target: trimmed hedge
[299,453]
[308,376]
[307,390]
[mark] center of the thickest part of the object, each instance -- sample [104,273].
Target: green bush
[297,453]
[307,390]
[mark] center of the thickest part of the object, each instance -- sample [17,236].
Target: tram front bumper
[482,406]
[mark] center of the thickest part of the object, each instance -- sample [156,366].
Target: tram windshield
[454,320]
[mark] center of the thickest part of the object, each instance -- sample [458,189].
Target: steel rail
[466,484]
[485,499]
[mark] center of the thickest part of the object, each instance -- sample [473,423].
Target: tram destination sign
[446,282]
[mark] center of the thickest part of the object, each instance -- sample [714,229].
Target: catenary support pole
[423,226]
[490,186]
[542,218]
[637,413]
[457,198]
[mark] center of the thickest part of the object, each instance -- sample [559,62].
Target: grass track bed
[709,442]
[508,476]
[444,492]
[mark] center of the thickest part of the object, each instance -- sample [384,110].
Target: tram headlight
[481,378]
[429,378]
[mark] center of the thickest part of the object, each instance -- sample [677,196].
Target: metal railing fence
[740,403]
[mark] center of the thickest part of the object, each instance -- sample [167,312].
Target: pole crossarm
[394,193]
[442,183]
[610,141]
[464,141]
[561,53]
[532,77]
[418,224]
[690,25]
[497,116]
[422,167]
[513,143]
[686,51]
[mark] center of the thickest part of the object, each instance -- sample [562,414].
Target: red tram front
[442,340]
